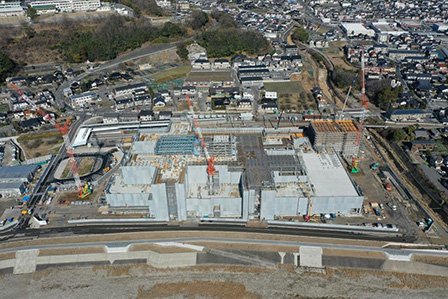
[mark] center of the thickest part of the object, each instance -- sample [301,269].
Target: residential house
[146,115]
[422,145]
[83,99]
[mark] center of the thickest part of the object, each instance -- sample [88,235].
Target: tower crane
[210,160]
[64,128]
[365,106]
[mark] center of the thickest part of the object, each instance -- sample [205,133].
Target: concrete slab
[310,256]
[415,267]
[172,260]
[26,261]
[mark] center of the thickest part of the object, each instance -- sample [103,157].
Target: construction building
[338,136]
[255,177]
[177,145]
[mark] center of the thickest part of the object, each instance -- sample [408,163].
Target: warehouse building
[356,29]
[14,179]
[335,136]
[12,189]
[21,173]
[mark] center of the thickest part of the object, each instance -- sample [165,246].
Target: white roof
[357,28]
[327,175]
[137,175]
[144,147]
[82,137]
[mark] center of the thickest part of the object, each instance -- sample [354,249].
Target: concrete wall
[273,205]
[181,196]
[229,207]
[159,203]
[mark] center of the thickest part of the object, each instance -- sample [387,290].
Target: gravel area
[141,281]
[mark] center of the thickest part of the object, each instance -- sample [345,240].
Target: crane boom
[365,106]
[197,128]
[62,128]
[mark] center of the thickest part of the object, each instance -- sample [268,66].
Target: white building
[83,99]
[355,29]
[67,5]
[11,9]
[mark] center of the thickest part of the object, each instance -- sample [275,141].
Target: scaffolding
[177,145]
[339,136]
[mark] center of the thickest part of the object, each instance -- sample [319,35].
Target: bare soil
[142,281]
[192,289]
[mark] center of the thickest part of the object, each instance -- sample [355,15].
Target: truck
[387,185]
[374,166]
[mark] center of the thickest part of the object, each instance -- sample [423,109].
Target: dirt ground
[336,54]
[84,167]
[142,281]
[40,143]
[292,95]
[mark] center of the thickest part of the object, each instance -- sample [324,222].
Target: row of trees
[144,7]
[300,34]
[222,42]
[114,36]
[7,66]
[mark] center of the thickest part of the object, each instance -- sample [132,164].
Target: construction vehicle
[211,170]
[374,166]
[63,128]
[387,185]
[365,104]
[86,190]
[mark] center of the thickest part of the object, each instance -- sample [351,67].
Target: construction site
[243,176]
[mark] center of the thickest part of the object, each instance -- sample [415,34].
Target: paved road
[133,55]
[243,240]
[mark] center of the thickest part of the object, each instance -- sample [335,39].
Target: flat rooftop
[329,126]
[327,175]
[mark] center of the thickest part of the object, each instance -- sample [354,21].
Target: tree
[31,12]
[344,78]
[301,35]
[399,135]
[224,42]
[224,19]
[388,96]
[198,19]
[7,66]
[182,51]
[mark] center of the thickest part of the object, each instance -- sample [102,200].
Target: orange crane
[365,106]
[210,160]
[63,129]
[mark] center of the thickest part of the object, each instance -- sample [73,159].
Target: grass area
[42,143]
[172,74]
[84,167]
[204,76]
[336,54]
[441,147]
[291,96]
[4,107]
